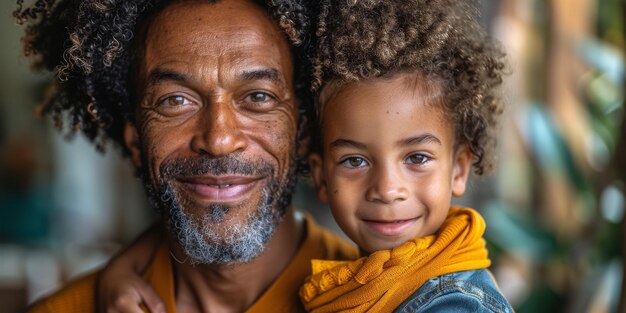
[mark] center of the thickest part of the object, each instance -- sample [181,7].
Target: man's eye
[418,159]
[259,97]
[175,101]
[259,101]
[354,162]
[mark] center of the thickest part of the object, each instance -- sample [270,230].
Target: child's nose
[387,187]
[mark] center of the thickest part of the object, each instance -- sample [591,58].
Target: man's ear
[319,180]
[461,169]
[131,140]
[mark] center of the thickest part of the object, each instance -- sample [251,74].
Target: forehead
[382,108]
[379,94]
[422,89]
[198,36]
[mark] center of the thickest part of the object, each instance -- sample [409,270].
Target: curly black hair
[437,39]
[89,44]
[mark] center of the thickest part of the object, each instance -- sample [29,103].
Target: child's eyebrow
[420,139]
[347,143]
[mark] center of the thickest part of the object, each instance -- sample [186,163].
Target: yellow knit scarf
[382,281]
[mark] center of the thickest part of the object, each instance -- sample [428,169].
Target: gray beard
[236,243]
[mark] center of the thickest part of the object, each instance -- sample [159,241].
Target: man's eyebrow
[420,139]
[347,143]
[159,75]
[263,74]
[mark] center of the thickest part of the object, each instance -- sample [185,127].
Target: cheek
[151,153]
[344,195]
[282,134]
[158,143]
[436,194]
[275,136]
[343,210]
[432,190]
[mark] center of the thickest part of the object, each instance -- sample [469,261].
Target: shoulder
[318,243]
[77,296]
[467,291]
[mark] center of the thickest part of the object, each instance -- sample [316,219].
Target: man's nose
[219,131]
[387,186]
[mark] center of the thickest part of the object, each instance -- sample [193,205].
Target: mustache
[207,165]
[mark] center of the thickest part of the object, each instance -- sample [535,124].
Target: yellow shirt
[282,296]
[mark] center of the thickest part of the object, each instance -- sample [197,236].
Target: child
[406,105]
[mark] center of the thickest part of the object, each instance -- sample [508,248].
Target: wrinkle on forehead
[206,41]
[209,32]
[251,22]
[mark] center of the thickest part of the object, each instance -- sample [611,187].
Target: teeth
[221,186]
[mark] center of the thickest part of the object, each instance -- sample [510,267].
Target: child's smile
[389,164]
[390,227]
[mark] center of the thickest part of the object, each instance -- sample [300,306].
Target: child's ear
[461,170]
[131,140]
[319,180]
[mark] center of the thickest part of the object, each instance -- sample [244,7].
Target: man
[202,96]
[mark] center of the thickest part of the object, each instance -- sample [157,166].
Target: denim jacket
[467,291]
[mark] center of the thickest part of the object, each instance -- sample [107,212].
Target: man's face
[216,126]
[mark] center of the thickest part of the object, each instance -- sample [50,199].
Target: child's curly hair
[88,44]
[437,39]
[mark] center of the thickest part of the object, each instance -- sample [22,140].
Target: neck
[235,287]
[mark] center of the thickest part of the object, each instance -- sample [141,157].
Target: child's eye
[354,162]
[418,159]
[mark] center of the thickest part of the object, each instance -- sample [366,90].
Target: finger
[129,303]
[151,300]
[126,308]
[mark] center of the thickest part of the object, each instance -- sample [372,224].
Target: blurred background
[554,208]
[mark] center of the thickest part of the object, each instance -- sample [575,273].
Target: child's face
[389,166]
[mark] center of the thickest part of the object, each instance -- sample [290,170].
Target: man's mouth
[221,186]
[212,189]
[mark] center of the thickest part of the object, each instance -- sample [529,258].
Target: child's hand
[120,286]
[127,294]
